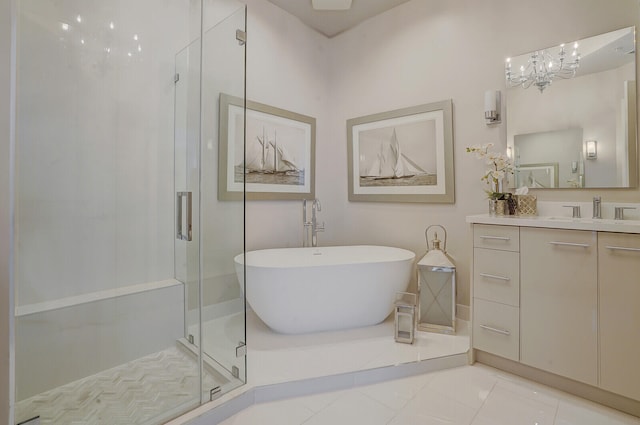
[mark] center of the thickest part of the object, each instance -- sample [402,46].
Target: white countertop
[559,222]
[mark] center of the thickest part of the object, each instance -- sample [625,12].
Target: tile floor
[164,383]
[467,395]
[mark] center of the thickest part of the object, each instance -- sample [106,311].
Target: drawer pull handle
[493,276]
[498,331]
[581,245]
[622,248]
[498,238]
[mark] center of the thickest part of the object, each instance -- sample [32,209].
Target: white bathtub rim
[403,255]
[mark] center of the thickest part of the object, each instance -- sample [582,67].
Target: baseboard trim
[463,312]
[570,386]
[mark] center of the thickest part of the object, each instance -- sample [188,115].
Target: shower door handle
[179,234]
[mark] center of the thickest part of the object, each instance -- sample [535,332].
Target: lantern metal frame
[405,306]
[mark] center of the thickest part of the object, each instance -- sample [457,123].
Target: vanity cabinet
[559,302]
[496,277]
[619,276]
[560,305]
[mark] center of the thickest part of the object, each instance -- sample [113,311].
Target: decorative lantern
[405,317]
[436,288]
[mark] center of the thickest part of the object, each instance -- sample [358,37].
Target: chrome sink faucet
[597,207]
[619,212]
[575,210]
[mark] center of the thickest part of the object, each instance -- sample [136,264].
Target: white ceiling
[331,23]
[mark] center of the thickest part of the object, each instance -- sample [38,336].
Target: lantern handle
[426,236]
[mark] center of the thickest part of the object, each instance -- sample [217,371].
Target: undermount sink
[561,218]
[565,218]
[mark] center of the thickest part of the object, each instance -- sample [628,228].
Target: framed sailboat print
[404,155]
[278,160]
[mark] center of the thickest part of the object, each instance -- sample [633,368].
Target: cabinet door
[558,302]
[618,274]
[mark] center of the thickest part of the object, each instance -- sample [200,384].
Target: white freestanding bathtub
[302,290]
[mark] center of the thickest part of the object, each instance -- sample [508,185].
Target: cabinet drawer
[496,329]
[496,276]
[506,238]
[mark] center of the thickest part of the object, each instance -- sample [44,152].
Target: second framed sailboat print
[404,155]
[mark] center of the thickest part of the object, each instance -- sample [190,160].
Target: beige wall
[419,52]
[287,67]
[6,293]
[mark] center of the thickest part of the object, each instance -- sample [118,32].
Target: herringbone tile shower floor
[163,383]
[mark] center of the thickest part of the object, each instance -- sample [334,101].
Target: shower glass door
[209,232]
[223,231]
[187,190]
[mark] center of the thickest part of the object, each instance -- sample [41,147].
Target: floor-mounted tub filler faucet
[306,224]
[311,227]
[315,227]
[597,207]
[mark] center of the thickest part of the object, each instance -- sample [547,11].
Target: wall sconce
[492,107]
[592,149]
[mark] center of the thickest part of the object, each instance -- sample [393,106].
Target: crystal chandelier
[543,67]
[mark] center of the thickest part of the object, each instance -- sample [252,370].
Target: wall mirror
[571,114]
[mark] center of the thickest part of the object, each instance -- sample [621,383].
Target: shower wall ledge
[27,309]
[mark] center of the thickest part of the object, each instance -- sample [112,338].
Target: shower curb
[232,404]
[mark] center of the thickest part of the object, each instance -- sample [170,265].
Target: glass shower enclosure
[207,234]
[128,308]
